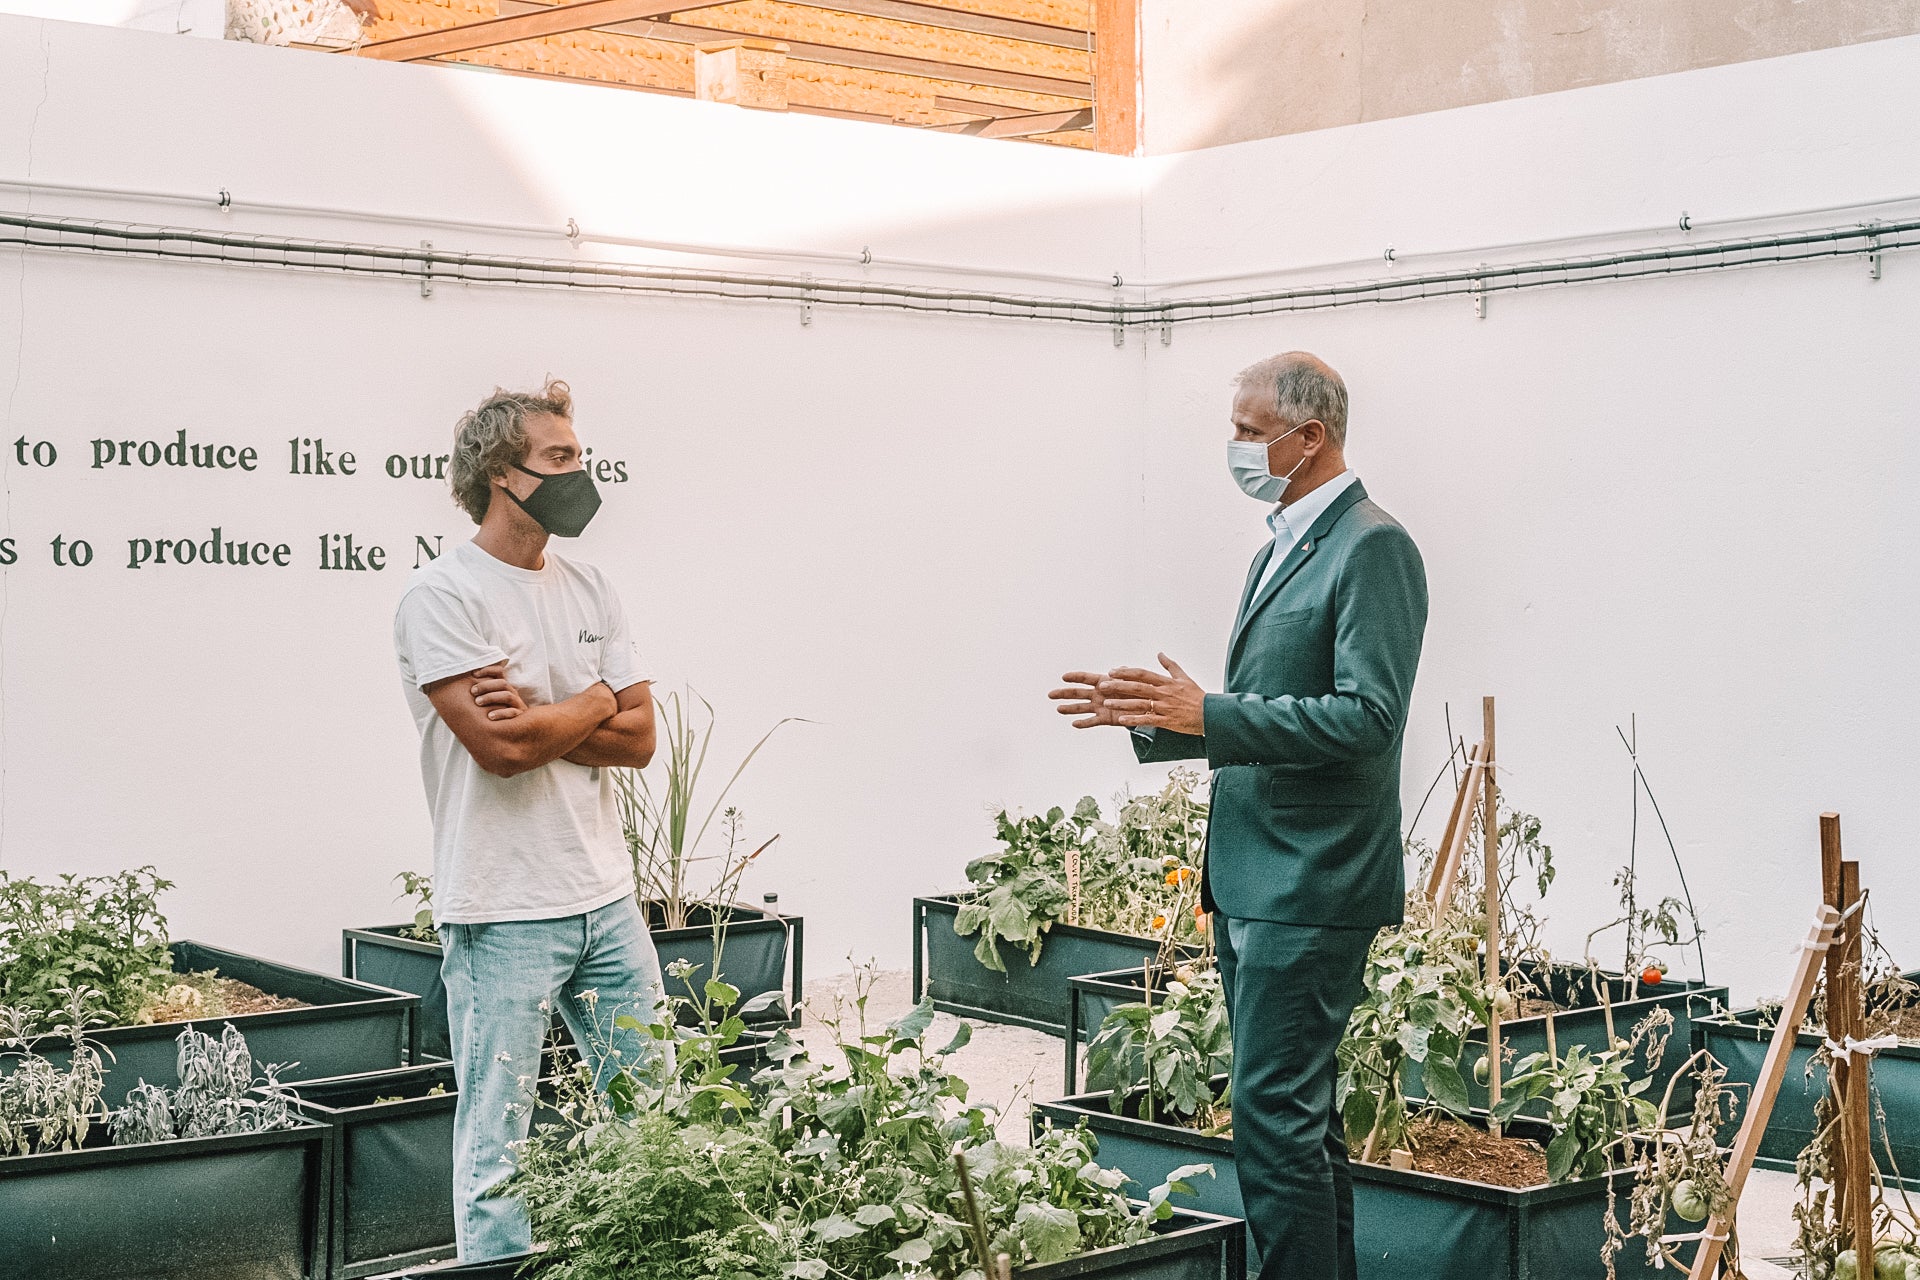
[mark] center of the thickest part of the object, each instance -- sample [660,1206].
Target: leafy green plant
[1173,1049]
[662,830]
[102,935]
[1021,891]
[1424,993]
[1593,1105]
[842,1169]
[420,889]
[1139,874]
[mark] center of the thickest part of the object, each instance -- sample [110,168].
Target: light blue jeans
[503,981]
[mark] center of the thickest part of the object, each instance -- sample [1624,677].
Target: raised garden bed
[390,1180]
[1739,1041]
[759,947]
[242,1207]
[1028,995]
[1407,1225]
[341,1027]
[1187,1246]
[1582,1021]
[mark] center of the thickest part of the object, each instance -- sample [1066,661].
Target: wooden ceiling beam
[936,15]
[530,23]
[1030,125]
[831,55]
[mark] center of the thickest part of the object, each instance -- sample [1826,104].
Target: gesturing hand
[492,690]
[1082,697]
[1135,696]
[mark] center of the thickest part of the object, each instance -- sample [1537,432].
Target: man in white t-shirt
[523,682]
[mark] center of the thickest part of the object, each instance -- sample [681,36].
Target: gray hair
[1305,389]
[493,437]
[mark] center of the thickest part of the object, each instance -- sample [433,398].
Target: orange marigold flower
[1159,922]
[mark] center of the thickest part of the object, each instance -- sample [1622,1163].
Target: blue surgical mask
[1247,461]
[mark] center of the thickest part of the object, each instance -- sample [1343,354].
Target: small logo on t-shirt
[587,637]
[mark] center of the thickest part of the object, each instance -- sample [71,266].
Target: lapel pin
[1306,546]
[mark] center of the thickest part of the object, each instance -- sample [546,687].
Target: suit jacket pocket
[1321,790]
[1270,621]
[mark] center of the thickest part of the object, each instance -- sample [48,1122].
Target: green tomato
[1891,1262]
[1846,1266]
[1482,1072]
[1689,1202]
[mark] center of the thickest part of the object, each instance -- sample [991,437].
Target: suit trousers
[1290,990]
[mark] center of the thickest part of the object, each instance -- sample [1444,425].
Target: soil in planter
[1537,1007]
[1903,1022]
[208,995]
[1443,1145]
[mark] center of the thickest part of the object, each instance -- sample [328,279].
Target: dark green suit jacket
[1305,742]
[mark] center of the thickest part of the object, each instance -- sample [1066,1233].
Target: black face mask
[561,504]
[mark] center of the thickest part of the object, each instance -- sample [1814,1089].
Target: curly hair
[493,437]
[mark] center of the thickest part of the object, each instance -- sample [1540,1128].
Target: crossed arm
[506,737]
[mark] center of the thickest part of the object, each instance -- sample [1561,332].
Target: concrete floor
[1008,1067]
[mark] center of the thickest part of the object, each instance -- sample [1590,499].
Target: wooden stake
[1446,864]
[1858,1125]
[1830,893]
[1553,1054]
[1490,840]
[1606,1007]
[1706,1261]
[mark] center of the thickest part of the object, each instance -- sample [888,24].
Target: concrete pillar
[747,73]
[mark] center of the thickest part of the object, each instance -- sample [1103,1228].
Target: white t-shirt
[547,842]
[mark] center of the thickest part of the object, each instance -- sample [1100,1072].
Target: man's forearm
[540,735]
[625,741]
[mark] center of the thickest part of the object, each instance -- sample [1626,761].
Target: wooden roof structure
[994,68]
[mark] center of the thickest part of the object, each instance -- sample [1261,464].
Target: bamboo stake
[1857,1130]
[1706,1261]
[1830,893]
[1490,840]
[1553,1053]
[977,1224]
[1606,1007]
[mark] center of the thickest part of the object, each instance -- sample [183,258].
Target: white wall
[1679,498]
[1683,498]
[879,522]
[204,18]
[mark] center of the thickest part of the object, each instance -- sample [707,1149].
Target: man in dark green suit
[1303,861]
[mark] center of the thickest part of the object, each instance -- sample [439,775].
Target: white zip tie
[1693,1235]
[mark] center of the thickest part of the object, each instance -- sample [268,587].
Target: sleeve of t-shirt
[434,637]
[619,658]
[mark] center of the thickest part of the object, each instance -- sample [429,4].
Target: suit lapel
[1302,552]
[1260,559]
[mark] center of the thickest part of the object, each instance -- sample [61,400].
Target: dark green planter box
[1026,995]
[1586,1024]
[1740,1044]
[1407,1226]
[755,959]
[390,1180]
[348,1027]
[245,1207]
[1188,1246]
[380,955]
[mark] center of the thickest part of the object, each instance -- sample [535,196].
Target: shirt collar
[1298,517]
